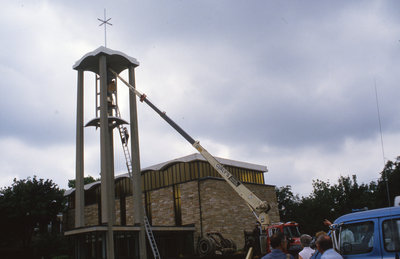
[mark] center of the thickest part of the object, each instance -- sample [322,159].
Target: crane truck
[258,207]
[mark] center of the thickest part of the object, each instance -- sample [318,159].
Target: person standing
[324,245]
[279,245]
[307,251]
[316,254]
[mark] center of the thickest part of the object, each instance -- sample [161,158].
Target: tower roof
[117,60]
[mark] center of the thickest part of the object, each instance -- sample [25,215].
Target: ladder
[111,99]
[97,98]
[123,133]
[150,236]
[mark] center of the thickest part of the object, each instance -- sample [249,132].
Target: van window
[391,235]
[357,238]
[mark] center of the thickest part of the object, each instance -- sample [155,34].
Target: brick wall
[117,212]
[190,206]
[129,210]
[91,214]
[162,207]
[91,218]
[222,209]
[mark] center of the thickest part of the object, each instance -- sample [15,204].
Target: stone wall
[129,210]
[190,206]
[210,204]
[162,207]
[117,212]
[91,218]
[223,210]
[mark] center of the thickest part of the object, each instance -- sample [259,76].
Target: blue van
[368,234]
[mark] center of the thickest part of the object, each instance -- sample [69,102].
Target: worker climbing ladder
[124,135]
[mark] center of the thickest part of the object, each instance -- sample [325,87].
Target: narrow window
[147,201]
[153,180]
[177,205]
[122,206]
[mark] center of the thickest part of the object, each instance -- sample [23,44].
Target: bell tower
[101,61]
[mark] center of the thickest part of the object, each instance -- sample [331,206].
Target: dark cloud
[262,81]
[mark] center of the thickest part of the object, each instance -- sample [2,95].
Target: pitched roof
[185,159]
[197,156]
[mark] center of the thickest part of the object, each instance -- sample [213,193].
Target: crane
[259,208]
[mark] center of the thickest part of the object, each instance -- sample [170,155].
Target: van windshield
[356,238]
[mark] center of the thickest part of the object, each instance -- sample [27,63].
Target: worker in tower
[111,87]
[125,136]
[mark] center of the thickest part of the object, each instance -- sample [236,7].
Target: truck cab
[291,231]
[368,234]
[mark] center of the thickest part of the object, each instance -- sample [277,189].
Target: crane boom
[260,208]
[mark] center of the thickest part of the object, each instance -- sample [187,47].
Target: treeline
[331,200]
[30,220]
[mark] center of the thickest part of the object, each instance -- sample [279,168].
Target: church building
[184,199]
[175,203]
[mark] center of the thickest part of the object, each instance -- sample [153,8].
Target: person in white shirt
[346,236]
[307,251]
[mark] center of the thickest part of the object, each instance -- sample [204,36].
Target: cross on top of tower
[105,23]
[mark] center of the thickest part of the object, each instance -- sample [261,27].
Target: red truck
[291,231]
[260,239]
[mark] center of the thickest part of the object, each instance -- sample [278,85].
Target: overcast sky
[286,84]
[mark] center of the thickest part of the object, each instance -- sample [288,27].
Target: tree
[86,180]
[287,202]
[327,201]
[26,208]
[315,208]
[388,185]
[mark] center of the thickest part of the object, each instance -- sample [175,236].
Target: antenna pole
[380,124]
[382,146]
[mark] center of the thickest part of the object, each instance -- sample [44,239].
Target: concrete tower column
[79,163]
[137,182]
[106,157]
